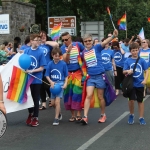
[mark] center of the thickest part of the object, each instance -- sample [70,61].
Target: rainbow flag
[19,84]
[108,10]
[141,34]
[122,23]
[55,33]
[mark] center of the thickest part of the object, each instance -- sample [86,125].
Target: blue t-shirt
[107,56]
[138,75]
[37,60]
[124,47]
[119,58]
[73,62]
[57,72]
[47,51]
[23,47]
[145,54]
[93,60]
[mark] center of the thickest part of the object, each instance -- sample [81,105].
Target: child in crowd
[38,62]
[138,82]
[57,73]
[119,61]
[109,63]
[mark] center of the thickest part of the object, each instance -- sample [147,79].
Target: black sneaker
[60,117]
[56,122]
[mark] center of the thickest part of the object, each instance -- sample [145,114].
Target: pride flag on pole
[55,33]
[122,23]
[108,10]
[141,34]
[19,84]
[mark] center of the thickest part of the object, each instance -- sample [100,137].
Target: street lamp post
[47,13]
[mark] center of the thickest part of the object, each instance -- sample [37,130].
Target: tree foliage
[95,10]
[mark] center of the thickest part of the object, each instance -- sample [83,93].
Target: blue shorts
[96,81]
[60,95]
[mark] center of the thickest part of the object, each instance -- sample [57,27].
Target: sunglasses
[143,42]
[65,40]
[87,41]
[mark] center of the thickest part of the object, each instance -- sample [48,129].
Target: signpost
[68,24]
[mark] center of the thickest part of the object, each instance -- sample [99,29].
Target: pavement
[114,134]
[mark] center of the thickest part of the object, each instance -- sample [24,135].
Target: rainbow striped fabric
[145,56]
[122,23]
[19,84]
[56,32]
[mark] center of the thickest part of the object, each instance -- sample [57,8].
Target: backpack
[127,83]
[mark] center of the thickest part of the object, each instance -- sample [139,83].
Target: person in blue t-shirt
[125,45]
[95,69]
[37,65]
[145,54]
[46,47]
[119,61]
[57,73]
[27,44]
[138,82]
[72,51]
[108,63]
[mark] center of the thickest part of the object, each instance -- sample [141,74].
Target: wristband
[68,53]
[112,36]
[115,70]
[1,101]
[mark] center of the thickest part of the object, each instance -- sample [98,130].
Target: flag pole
[126,23]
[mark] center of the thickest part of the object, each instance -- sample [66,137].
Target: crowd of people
[55,64]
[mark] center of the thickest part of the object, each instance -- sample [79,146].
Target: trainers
[84,120]
[35,122]
[28,121]
[131,119]
[56,122]
[142,121]
[60,117]
[102,119]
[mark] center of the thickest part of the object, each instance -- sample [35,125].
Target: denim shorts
[96,81]
[60,95]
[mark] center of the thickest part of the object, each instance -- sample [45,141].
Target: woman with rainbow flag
[95,70]
[73,93]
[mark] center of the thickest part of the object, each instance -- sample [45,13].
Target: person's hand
[132,37]
[2,108]
[69,48]
[64,86]
[143,82]
[52,84]
[29,71]
[115,33]
[129,72]
[115,73]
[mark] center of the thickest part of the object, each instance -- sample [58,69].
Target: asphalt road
[114,134]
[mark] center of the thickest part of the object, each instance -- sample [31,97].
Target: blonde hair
[2,47]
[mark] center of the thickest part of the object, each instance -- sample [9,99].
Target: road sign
[67,21]
[68,24]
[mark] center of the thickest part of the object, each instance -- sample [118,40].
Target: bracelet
[68,53]
[112,36]
[115,70]
[1,101]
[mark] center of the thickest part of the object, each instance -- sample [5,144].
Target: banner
[4,24]
[6,72]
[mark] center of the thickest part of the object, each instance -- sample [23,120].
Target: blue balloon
[24,61]
[56,89]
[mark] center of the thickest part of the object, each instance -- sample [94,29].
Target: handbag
[109,92]
[127,83]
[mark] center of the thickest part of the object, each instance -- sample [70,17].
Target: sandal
[78,118]
[42,108]
[72,119]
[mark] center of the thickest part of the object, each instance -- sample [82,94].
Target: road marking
[98,135]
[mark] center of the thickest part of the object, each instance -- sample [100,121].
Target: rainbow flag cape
[19,84]
[55,33]
[122,23]
[141,34]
